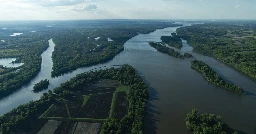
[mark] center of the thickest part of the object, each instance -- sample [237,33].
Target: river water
[174,88]
[7,62]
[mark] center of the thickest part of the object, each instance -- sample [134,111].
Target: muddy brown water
[175,89]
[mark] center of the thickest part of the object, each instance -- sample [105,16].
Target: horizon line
[136,19]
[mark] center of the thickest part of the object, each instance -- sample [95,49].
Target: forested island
[108,101]
[207,124]
[232,43]
[173,41]
[43,84]
[163,49]
[187,55]
[211,76]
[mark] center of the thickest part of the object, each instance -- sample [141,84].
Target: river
[174,88]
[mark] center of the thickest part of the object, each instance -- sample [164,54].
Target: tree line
[163,49]
[207,124]
[211,76]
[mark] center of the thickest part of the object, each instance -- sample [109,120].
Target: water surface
[16,34]
[7,62]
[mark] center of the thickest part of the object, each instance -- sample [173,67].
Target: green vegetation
[166,50]
[86,98]
[233,43]
[5,70]
[71,102]
[27,50]
[43,84]
[213,77]
[78,47]
[118,100]
[187,55]
[73,47]
[206,124]
[173,41]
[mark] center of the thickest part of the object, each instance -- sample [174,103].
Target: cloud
[52,3]
[90,7]
[87,7]
[237,6]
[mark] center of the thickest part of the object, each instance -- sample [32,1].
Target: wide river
[174,88]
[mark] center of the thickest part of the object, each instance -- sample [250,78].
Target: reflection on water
[7,62]
[16,34]
[174,88]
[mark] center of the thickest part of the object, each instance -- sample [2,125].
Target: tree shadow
[150,120]
[227,80]
[249,93]
[149,126]
[240,132]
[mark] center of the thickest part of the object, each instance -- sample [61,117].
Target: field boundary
[119,89]
[91,120]
[85,99]
[46,112]
[113,104]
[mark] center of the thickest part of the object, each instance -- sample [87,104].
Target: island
[207,124]
[213,77]
[173,41]
[163,49]
[43,84]
[187,55]
[103,101]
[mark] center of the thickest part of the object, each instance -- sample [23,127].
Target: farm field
[87,128]
[87,103]
[50,127]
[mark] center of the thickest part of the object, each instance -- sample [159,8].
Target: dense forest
[25,118]
[207,124]
[173,41]
[43,84]
[232,43]
[88,46]
[163,49]
[187,55]
[213,77]
[26,49]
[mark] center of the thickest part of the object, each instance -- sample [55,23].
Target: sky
[126,9]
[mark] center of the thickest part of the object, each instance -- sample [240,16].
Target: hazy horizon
[127,9]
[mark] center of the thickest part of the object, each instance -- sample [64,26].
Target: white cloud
[52,3]
[87,7]
[237,6]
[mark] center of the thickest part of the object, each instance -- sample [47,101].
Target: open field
[87,128]
[97,107]
[66,127]
[50,127]
[121,107]
[58,110]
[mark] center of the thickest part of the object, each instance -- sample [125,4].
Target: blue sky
[126,9]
